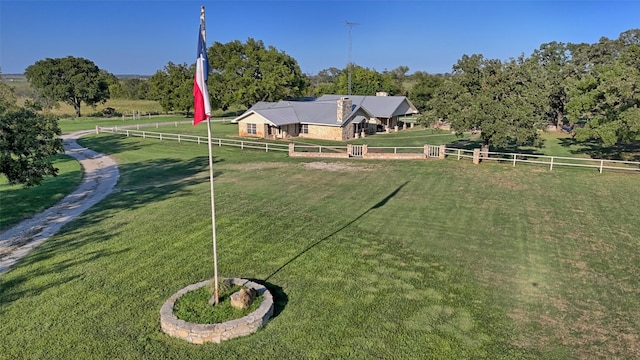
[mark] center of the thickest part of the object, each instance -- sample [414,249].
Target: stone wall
[201,333]
[324,132]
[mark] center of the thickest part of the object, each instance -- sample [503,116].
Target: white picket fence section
[433,150]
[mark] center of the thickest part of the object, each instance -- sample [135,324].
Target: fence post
[266,147]
[137,126]
[176,124]
[291,149]
[514,160]
[458,154]
[601,164]
[476,156]
[551,165]
[97,129]
[178,137]
[349,149]
[365,149]
[156,125]
[127,133]
[219,142]
[426,150]
[442,154]
[160,136]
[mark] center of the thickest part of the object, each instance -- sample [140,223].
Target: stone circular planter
[201,333]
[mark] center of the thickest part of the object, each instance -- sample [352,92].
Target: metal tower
[349,65]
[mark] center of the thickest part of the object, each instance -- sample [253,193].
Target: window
[304,128]
[251,129]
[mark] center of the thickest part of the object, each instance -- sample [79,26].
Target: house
[329,117]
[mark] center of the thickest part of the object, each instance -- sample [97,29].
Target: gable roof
[378,106]
[323,110]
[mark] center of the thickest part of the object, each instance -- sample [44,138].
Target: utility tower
[349,65]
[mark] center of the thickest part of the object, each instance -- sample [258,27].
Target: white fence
[550,161]
[432,151]
[243,144]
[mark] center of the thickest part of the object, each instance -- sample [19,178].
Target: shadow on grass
[626,152]
[146,182]
[280,298]
[109,144]
[24,285]
[376,206]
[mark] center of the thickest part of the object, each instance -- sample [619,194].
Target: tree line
[595,86]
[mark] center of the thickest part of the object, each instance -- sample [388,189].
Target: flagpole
[213,214]
[213,207]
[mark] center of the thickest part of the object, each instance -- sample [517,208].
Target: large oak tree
[71,80]
[503,100]
[245,73]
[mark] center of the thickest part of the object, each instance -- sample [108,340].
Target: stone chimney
[344,108]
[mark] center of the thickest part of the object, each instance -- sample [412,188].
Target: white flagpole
[213,207]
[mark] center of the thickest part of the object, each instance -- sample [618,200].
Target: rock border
[201,333]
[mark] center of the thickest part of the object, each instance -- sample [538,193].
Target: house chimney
[344,108]
[382,93]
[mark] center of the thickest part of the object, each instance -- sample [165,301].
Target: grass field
[17,202]
[412,259]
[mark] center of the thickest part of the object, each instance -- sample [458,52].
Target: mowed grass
[411,259]
[18,203]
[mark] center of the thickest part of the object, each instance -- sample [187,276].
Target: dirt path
[100,177]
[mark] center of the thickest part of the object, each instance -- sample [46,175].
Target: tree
[554,58]
[71,80]
[608,99]
[245,73]
[365,81]
[27,142]
[399,76]
[135,88]
[323,82]
[605,93]
[172,87]
[424,89]
[7,97]
[502,100]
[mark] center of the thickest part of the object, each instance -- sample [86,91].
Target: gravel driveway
[100,177]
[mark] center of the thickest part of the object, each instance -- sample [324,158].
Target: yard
[367,259]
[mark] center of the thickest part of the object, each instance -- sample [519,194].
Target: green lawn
[18,203]
[411,259]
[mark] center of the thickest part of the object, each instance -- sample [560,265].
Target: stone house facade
[330,117]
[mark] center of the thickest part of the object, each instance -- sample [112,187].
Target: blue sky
[141,37]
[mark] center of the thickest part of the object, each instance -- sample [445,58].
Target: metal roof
[323,110]
[378,106]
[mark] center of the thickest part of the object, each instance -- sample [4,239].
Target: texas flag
[201,105]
